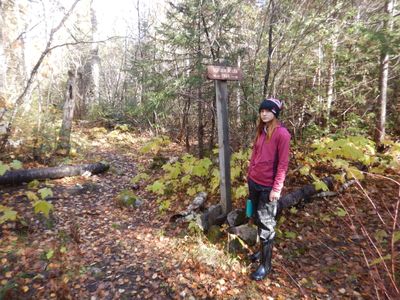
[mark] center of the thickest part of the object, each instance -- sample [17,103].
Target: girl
[267,171]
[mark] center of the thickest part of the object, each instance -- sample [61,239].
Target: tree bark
[89,73]
[238,97]
[20,176]
[3,65]
[3,70]
[331,76]
[384,77]
[64,144]
[200,104]
[266,92]
[21,97]
[303,193]
[94,93]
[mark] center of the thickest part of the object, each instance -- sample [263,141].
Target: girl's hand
[274,196]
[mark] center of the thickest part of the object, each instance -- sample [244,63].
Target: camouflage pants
[264,212]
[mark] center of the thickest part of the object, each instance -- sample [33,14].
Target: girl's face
[266,115]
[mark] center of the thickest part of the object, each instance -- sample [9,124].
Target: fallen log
[300,196]
[19,176]
[303,194]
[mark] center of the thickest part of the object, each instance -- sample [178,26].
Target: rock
[173,159]
[357,295]
[246,232]
[79,189]
[214,234]
[202,221]
[235,246]
[357,237]
[189,214]
[96,272]
[198,201]
[236,217]
[210,217]
[190,217]
[214,212]
[126,198]
[158,162]
[138,203]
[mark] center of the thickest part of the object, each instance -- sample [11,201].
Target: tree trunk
[140,87]
[3,72]
[238,98]
[266,92]
[331,77]
[200,128]
[27,87]
[20,176]
[200,104]
[396,95]
[3,62]
[64,144]
[88,75]
[212,130]
[317,77]
[94,60]
[384,77]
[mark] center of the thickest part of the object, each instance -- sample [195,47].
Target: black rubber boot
[256,256]
[265,266]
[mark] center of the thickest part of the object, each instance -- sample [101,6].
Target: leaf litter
[91,248]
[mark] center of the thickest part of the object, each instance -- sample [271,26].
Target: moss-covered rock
[214,234]
[126,198]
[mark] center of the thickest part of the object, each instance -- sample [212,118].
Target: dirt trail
[94,249]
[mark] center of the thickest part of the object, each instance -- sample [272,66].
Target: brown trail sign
[220,74]
[224,73]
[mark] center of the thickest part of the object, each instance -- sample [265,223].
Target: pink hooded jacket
[269,161]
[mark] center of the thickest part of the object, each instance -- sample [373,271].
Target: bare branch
[34,71]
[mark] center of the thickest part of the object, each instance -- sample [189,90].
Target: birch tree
[28,84]
[3,66]
[64,140]
[384,74]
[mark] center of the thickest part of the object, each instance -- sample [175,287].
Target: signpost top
[224,73]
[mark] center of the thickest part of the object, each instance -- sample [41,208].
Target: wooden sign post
[220,75]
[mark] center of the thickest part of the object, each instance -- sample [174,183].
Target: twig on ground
[370,274]
[365,232]
[291,277]
[372,202]
[351,226]
[337,253]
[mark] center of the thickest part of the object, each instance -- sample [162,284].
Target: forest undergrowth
[109,236]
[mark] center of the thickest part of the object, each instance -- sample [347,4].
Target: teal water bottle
[249,208]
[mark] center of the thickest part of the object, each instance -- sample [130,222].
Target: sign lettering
[224,73]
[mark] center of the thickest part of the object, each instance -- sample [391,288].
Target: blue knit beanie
[273,105]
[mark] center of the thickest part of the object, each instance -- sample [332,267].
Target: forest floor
[92,248]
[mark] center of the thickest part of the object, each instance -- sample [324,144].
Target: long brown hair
[271,126]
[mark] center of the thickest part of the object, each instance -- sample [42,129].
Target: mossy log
[14,177]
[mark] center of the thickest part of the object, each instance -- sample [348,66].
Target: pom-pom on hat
[273,105]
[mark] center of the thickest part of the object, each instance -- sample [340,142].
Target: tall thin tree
[64,142]
[384,74]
